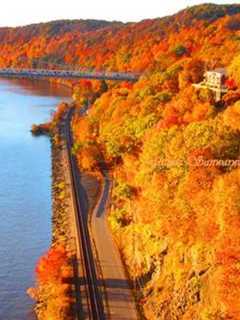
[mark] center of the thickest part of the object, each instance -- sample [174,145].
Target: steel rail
[95,304]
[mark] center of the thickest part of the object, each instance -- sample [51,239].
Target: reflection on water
[25,179]
[36,87]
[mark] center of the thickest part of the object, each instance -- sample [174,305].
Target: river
[25,189]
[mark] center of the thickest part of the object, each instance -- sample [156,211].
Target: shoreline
[61,230]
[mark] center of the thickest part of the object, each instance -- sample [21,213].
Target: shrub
[122,190]
[180,50]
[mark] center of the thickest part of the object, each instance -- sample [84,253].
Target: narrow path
[120,298]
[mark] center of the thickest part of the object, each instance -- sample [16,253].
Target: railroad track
[95,303]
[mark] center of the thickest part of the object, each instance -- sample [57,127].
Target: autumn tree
[192,72]
[234,69]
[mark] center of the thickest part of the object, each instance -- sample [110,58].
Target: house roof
[218,70]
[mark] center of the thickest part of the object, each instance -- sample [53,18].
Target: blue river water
[25,189]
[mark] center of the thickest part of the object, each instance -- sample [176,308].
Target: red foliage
[127,85]
[50,264]
[231,84]
[169,121]
[87,84]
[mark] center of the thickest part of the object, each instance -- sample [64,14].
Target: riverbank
[63,227]
[54,291]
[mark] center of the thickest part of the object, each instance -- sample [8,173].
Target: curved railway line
[94,298]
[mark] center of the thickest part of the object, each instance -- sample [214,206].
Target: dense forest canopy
[176,220]
[183,215]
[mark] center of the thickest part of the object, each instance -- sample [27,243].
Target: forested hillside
[176,219]
[151,44]
[170,148]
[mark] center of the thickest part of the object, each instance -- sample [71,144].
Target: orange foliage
[53,288]
[118,46]
[185,216]
[50,265]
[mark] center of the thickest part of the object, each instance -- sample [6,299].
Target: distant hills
[116,45]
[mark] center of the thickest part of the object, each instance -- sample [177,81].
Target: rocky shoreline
[61,198]
[62,236]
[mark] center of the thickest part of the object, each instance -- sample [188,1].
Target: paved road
[120,298]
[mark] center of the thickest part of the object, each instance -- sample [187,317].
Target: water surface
[25,194]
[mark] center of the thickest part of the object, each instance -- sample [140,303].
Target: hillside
[170,148]
[175,207]
[118,46]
